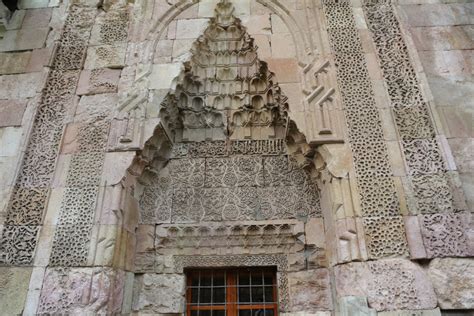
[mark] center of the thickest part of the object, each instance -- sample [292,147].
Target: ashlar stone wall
[330,139]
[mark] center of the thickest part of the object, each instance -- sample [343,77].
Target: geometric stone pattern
[27,203]
[373,171]
[235,187]
[423,157]
[72,238]
[391,286]
[76,216]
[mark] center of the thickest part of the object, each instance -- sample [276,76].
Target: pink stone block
[286,69]
[37,18]
[415,240]
[11,112]
[39,59]
[98,81]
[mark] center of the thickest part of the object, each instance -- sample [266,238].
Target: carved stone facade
[382,220]
[327,140]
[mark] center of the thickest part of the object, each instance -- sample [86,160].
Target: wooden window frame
[231,305]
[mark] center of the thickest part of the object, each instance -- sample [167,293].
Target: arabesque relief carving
[235,187]
[423,156]
[28,201]
[228,120]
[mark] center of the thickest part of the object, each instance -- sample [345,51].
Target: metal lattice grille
[232,292]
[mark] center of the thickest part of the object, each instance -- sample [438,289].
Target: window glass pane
[258,312]
[204,313]
[268,280]
[244,279]
[194,313]
[219,280]
[219,295]
[195,280]
[205,295]
[245,313]
[194,295]
[269,312]
[218,313]
[244,295]
[257,278]
[268,294]
[257,294]
[206,280]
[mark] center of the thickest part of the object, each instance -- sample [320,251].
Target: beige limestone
[453,281]
[314,230]
[12,63]
[20,86]
[13,289]
[354,306]
[115,166]
[159,293]
[162,75]
[23,39]
[110,56]
[432,312]
[190,28]
[280,47]
[10,141]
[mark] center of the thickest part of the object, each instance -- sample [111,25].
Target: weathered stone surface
[10,140]
[14,284]
[98,81]
[392,284]
[191,28]
[11,112]
[20,86]
[12,63]
[414,237]
[110,56]
[446,234]
[310,290]
[23,39]
[432,312]
[163,74]
[453,282]
[159,293]
[354,306]
[86,291]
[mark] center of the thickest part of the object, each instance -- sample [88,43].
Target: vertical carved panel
[72,238]
[425,162]
[380,206]
[27,203]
